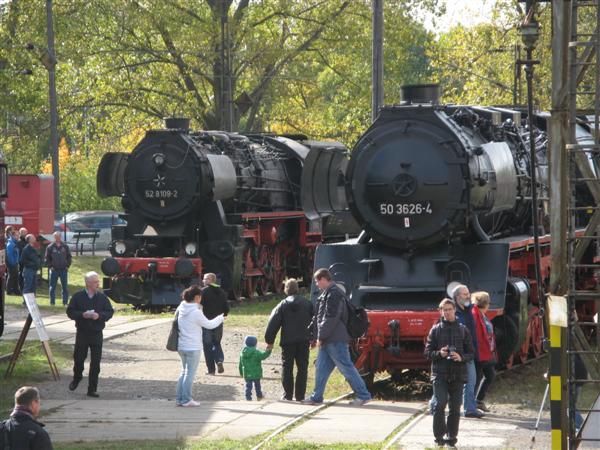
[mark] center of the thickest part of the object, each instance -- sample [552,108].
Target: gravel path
[137,366]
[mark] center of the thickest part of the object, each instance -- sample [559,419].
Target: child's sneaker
[260,397]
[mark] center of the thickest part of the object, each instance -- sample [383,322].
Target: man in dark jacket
[449,347]
[23,431]
[292,315]
[90,309]
[21,243]
[30,260]
[464,315]
[214,302]
[328,331]
[58,260]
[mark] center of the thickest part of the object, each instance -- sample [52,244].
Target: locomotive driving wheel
[536,332]
[279,270]
[265,263]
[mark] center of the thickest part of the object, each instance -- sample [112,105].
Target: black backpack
[357,323]
[5,434]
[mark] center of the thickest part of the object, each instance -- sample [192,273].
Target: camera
[451,348]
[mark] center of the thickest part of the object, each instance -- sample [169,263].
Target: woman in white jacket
[190,320]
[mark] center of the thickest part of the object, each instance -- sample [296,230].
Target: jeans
[297,352]
[29,276]
[336,354]
[211,342]
[446,392]
[189,363]
[249,384]
[83,341]
[485,371]
[55,274]
[469,404]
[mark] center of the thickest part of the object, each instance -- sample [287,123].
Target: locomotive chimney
[420,93]
[177,123]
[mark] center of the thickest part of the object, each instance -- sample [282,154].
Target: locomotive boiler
[208,201]
[443,196]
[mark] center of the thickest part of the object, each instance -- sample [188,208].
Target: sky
[462,12]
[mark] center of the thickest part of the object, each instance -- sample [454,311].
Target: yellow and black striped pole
[558,387]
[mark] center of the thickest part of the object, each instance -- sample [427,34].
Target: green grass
[223,444]
[30,369]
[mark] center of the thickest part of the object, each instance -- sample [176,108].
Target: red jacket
[486,342]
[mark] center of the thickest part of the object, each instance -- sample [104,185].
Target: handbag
[173,338]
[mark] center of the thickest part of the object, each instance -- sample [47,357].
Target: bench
[80,235]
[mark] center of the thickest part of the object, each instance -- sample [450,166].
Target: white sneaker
[191,404]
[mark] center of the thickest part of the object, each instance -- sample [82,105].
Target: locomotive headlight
[159,159]
[190,248]
[120,248]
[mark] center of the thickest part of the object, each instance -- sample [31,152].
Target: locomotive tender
[443,194]
[208,201]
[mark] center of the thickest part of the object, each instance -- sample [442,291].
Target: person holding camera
[449,347]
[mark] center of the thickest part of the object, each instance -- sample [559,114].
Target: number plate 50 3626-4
[405,209]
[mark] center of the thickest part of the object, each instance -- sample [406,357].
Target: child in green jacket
[250,366]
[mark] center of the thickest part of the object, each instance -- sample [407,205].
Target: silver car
[79,224]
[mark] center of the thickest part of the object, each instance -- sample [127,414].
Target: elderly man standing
[464,315]
[293,316]
[449,347]
[22,428]
[30,260]
[58,260]
[90,309]
[214,302]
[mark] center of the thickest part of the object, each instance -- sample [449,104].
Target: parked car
[74,223]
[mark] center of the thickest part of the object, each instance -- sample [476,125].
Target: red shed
[30,203]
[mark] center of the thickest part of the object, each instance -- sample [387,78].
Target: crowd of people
[23,263]
[461,347]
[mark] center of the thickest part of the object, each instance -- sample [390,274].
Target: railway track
[312,412]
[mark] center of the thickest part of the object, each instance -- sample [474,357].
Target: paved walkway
[100,420]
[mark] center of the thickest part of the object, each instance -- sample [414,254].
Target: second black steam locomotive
[208,201]
[443,195]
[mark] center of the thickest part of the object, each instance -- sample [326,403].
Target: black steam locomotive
[208,201]
[443,195]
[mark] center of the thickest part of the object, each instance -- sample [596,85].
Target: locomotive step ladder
[583,158]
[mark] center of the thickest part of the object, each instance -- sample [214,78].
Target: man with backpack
[329,333]
[22,431]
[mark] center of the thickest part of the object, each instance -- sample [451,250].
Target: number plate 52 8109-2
[404,209]
[161,193]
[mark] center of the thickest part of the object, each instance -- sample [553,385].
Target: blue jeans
[336,354]
[189,364]
[29,276]
[211,342]
[249,384]
[469,404]
[55,274]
